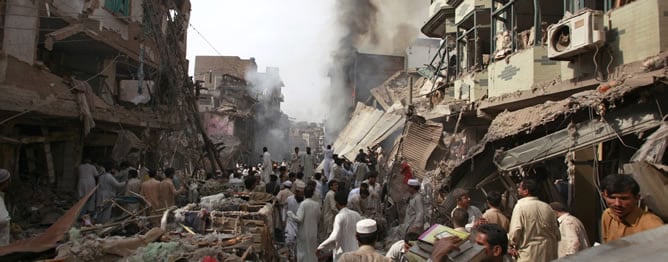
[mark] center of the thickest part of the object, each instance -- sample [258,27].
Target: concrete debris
[92,248]
[219,202]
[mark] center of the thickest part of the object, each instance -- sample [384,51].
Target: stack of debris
[224,227]
[40,207]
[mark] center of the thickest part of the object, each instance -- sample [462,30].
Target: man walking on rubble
[281,203]
[134,187]
[168,192]
[87,174]
[150,190]
[291,226]
[266,164]
[107,189]
[307,217]
[342,239]
[414,217]
[5,225]
[534,231]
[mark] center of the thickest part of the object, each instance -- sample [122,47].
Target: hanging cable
[204,38]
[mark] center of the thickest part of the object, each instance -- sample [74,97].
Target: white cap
[413,182]
[287,183]
[299,185]
[366,226]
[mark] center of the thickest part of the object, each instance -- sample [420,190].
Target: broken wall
[218,125]
[21,28]
[117,22]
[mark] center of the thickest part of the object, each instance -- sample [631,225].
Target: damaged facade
[89,80]
[79,80]
[564,91]
[226,104]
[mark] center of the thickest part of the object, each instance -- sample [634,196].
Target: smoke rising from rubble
[370,26]
[270,130]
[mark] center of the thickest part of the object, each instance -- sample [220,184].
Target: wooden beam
[49,158]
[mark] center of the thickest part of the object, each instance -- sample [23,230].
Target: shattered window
[118,7]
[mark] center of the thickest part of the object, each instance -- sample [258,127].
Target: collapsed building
[241,108]
[79,80]
[563,91]
[226,104]
[98,80]
[83,79]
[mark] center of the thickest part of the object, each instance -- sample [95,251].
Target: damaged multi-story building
[563,91]
[226,104]
[241,107]
[79,79]
[572,89]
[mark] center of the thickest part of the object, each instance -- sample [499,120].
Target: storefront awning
[577,136]
[368,127]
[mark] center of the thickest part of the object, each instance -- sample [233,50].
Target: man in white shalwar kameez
[328,153]
[342,239]
[267,164]
[308,164]
[291,225]
[307,216]
[87,174]
[414,217]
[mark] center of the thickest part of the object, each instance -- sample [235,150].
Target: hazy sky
[293,35]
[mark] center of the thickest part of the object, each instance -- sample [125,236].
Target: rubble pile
[224,227]
[40,207]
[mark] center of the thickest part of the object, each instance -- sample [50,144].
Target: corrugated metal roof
[367,127]
[419,143]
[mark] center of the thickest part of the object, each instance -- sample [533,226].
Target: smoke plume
[271,125]
[368,26]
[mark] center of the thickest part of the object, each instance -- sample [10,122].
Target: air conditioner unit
[575,35]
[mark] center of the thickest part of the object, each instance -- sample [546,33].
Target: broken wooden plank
[49,158]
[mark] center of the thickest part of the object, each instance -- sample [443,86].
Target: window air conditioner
[575,35]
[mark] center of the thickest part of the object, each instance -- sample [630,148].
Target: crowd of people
[347,220]
[112,181]
[339,212]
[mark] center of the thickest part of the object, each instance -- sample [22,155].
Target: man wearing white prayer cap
[282,203]
[366,236]
[414,217]
[5,179]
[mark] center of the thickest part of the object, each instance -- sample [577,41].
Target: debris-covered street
[333,130]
